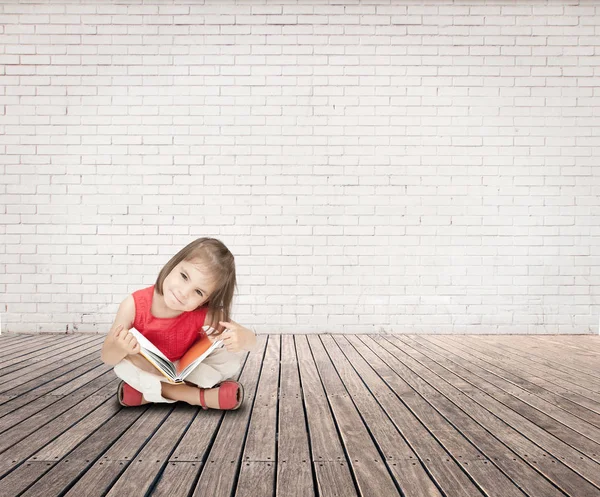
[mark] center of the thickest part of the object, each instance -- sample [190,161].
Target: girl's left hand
[237,338]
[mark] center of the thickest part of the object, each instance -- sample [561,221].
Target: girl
[194,288]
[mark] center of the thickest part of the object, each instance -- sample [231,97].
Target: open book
[199,350]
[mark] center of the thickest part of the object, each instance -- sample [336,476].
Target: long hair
[220,263]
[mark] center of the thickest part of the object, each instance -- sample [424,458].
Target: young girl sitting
[195,288]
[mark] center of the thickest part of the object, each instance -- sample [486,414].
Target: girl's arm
[118,344]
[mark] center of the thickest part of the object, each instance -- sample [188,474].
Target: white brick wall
[374,166]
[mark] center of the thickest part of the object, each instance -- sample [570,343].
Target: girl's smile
[173,293]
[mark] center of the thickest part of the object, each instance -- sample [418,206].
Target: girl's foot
[228,395]
[129,396]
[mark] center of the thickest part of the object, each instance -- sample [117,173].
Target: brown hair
[221,264]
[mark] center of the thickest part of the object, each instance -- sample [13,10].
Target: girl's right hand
[126,341]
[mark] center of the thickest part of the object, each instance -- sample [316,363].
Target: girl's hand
[236,337]
[125,341]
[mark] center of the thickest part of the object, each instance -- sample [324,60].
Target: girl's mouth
[173,293]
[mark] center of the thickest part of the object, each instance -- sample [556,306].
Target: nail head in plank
[256,478]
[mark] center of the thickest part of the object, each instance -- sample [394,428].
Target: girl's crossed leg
[203,385]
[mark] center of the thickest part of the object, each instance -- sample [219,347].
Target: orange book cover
[198,348]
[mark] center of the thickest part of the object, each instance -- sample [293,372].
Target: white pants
[220,365]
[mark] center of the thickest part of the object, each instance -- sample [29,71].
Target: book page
[168,368]
[147,344]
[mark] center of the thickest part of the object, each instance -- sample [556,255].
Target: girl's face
[187,286]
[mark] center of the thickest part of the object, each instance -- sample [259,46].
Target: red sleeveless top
[173,336]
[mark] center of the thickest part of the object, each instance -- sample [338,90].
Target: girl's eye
[199,292]
[183,276]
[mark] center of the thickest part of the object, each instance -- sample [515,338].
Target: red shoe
[129,396]
[231,396]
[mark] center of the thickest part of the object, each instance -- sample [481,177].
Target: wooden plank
[528,406]
[141,473]
[537,353]
[77,433]
[393,370]
[390,434]
[22,384]
[95,481]
[372,476]
[260,440]
[177,479]
[198,438]
[530,375]
[10,335]
[218,474]
[190,453]
[587,343]
[58,378]
[46,350]
[28,445]
[82,379]
[537,403]
[38,373]
[295,478]
[355,376]
[35,406]
[537,357]
[28,426]
[331,467]
[258,458]
[196,441]
[19,342]
[562,476]
[446,470]
[10,339]
[90,451]
[24,476]
[18,345]
[256,478]
[58,474]
[294,469]
[559,343]
[99,477]
[332,480]
[550,369]
[324,439]
[377,413]
[52,351]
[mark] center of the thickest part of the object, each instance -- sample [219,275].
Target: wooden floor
[380,415]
